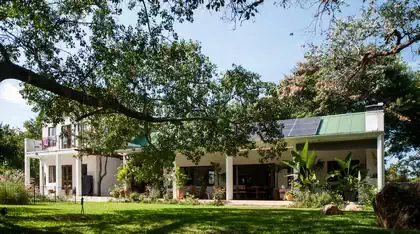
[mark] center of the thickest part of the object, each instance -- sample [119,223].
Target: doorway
[66,178]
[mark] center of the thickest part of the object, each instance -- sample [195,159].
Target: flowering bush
[11,175]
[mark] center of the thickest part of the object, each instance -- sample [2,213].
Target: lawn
[157,218]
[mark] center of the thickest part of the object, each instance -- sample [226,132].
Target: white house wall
[111,175]
[92,169]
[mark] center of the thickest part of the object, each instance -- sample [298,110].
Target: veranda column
[57,174]
[380,161]
[27,171]
[78,174]
[41,177]
[229,177]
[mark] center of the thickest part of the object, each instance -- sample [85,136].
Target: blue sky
[263,46]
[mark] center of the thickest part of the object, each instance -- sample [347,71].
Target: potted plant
[181,180]
[289,196]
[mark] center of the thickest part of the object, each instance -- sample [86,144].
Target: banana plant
[304,165]
[349,176]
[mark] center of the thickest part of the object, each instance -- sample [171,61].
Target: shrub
[367,193]
[307,199]
[8,175]
[180,177]
[142,197]
[168,196]
[134,196]
[13,193]
[219,195]
[115,191]
[155,193]
[190,200]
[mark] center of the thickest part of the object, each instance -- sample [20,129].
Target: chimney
[375,107]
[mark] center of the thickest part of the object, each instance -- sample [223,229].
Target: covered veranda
[245,178]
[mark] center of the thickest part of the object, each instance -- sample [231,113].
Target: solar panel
[297,127]
[305,127]
[287,126]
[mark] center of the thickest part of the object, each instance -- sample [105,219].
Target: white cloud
[9,92]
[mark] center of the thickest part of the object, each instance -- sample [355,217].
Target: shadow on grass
[191,219]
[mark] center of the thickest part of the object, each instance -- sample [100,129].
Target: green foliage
[13,193]
[348,175]
[308,199]
[180,177]
[33,128]
[136,80]
[304,163]
[115,191]
[11,175]
[155,192]
[367,193]
[135,197]
[219,194]
[190,200]
[11,147]
[405,170]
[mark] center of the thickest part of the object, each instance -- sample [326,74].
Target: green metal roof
[137,142]
[341,124]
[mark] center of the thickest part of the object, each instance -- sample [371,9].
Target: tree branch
[13,71]
[95,112]
[4,54]
[397,48]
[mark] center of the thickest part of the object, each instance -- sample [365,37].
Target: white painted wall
[111,175]
[374,121]
[92,169]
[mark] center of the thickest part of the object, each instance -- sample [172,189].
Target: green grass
[158,218]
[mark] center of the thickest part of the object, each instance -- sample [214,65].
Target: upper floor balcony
[59,137]
[50,143]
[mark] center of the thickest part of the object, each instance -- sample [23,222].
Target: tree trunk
[101,176]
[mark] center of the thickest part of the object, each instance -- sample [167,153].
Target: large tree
[316,89]
[11,147]
[65,47]
[76,59]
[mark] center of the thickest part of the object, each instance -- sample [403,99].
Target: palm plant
[304,165]
[348,176]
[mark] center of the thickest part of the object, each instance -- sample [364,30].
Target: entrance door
[66,178]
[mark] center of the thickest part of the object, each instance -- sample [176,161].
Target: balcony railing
[49,141]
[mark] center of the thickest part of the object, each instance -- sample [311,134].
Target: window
[66,132]
[51,131]
[189,172]
[51,174]
[66,176]
[196,174]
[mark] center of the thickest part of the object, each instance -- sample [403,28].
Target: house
[61,172]
[332,136]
